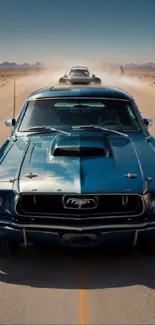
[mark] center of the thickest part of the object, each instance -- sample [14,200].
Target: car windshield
[67,113]
[79,71]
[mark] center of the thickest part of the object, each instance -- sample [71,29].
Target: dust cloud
[110,78]
[51,78]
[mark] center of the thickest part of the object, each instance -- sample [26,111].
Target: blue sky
[51,30]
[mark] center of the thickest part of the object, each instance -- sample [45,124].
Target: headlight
[153,204]
[1,201]
[150,199]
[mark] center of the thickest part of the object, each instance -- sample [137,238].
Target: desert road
[57,286]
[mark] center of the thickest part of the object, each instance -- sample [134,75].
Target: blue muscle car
[78,169]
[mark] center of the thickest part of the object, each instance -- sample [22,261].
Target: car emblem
[31,175]
[79,203]
[130,175]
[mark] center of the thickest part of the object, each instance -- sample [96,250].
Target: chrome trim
[78,229]
[77,97]
[74,193]
[135,238]
[76,216]
[24,237]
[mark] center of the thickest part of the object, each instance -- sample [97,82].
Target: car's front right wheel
[97,81]
[8,247]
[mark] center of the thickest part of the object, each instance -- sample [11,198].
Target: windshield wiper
[100,128]
[44,128]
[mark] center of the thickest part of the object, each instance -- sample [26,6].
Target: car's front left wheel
[148,246]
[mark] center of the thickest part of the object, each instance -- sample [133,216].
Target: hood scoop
[79,146]
[79,152]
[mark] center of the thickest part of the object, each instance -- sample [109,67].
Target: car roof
[74,91]
[79,67]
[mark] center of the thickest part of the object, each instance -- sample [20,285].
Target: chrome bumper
[30,233]
[78,229]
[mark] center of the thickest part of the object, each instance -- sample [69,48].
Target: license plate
[76,237]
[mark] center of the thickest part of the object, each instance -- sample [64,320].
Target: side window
[133,117]
[140,113]
[20,115]
[131,113]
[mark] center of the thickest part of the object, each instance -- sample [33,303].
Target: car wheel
[97,82]
[9,248]
[61,82]
[148,246]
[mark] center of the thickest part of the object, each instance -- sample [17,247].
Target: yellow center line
[83,301]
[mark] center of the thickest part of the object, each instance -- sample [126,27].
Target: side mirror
[10,122]
[148,122]
[65,76]
[93,75]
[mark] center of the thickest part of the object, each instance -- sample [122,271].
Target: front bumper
[54,234]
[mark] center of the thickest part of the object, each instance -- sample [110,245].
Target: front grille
[96,206]
[79,82]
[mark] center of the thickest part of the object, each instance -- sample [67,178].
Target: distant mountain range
[145,65]
[13,65]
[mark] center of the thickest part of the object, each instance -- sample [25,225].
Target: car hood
[82,163]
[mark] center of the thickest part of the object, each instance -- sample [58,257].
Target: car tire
[148,246]
[97,82]
[9,248]
[61,82]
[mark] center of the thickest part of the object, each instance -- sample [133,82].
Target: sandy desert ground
[77,287]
